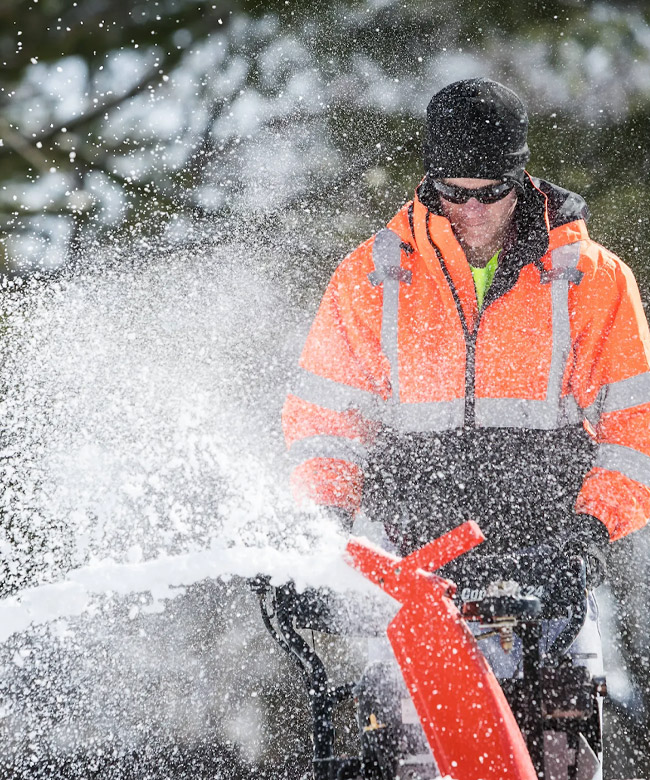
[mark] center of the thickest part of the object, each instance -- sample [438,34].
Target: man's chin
[475,239]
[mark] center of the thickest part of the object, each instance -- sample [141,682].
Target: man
[480,358]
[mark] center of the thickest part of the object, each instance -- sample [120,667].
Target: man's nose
[474,206]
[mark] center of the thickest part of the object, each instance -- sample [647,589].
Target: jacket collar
[439,247]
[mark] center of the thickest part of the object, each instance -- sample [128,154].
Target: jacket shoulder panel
[401,224]
[601,266]
[569,233]
[607,319]
[359,263]
[355,265]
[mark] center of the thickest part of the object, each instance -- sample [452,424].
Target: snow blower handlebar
[277,607]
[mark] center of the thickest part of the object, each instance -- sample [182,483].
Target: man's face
[475,224]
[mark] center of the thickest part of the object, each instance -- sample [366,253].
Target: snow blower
[477,727]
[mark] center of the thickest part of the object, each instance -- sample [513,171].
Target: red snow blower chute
[465,716]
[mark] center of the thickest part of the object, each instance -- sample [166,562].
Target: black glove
[588,538]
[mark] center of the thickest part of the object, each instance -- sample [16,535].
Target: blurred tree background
[161,124]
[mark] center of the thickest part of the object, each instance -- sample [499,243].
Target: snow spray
[141,454]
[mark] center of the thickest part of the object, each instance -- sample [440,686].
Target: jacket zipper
[470,346]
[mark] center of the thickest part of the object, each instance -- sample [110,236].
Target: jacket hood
[563,206]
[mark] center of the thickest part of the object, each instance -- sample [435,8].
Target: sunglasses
[490,194]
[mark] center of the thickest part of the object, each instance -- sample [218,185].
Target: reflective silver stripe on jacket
[565,262]
[387,257]
[338,447]
[427,416]
[335,396]
[554,411]
[631,463]
[626,394]
[524,413]
[406,417]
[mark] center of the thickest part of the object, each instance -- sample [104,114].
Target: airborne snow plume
[141,413]
[143,458]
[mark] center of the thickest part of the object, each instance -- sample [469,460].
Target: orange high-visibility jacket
[398,343]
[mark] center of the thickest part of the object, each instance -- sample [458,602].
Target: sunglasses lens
[452,193]
[494,193]
[459,195]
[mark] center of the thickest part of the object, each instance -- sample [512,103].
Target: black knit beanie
[476,129]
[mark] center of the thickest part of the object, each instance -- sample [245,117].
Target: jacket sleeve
[612,370]
[331,416]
